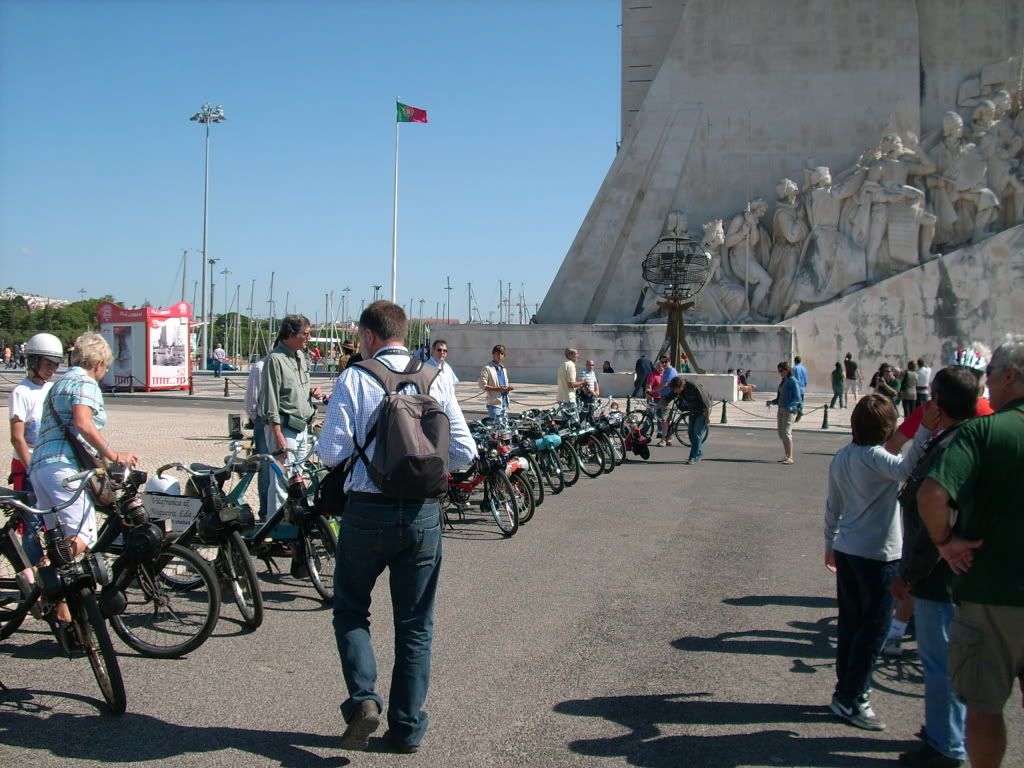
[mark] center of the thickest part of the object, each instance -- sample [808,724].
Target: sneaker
[661,443]
[668,442]
[859,713]
[926,756]
[364,722]
[397,746]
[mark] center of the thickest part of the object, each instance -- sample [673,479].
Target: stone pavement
[666,615]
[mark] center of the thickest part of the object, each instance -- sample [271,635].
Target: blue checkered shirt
[352,412]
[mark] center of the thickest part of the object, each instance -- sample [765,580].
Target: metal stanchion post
[225,386]
[191,389]
[724,419]
[824,422]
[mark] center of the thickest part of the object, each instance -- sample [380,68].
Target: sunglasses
[442,351]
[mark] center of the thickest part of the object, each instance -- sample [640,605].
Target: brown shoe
[364,722]
[396,746]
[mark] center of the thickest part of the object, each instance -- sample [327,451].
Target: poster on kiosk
[150,346]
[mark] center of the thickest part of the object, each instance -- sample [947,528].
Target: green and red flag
[407,114]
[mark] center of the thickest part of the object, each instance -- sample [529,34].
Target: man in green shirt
[287,403]
[979,475]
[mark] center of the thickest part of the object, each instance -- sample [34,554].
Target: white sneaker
[892,648]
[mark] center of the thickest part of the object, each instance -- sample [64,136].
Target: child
[863,544]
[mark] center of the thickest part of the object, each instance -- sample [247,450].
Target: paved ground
[665,615]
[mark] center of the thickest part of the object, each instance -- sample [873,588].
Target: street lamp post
[205,116]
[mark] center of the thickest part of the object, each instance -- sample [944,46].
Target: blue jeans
[405,538]
[697,429]
[865,610]
[943,714]
[217,366]
[494,411]
[263,478]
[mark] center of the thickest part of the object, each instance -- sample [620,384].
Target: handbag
[331,496]
[99,487]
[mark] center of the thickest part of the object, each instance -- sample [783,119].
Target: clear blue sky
[101,172]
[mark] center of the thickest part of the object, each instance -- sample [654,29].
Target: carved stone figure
[891,222]
[789,230]
[831,263]
[1001,144]
[747,253]
[965,207]
[723,300]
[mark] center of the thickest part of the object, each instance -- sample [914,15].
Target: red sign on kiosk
[150,345]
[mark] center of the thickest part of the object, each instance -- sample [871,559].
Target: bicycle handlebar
[82,478]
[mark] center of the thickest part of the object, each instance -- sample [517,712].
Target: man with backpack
[399,427]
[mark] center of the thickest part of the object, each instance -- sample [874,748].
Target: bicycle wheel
[12,605]
[237,572]
[536,481]
[591,457]
[681,429]
[501,501]
[570,463]
[551,469]
[321,543]
[91,632]
[524,497]
[618,443]
[609,453]
[160,620]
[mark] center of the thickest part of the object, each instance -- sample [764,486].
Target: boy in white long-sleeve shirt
[863,544]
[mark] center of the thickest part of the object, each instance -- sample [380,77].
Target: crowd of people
[14,354]
[935,533]
[932,531]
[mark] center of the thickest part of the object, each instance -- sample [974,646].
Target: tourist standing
[979,474]
[788,399]
[589,388]
[406,537]
[219,357]
[863,544]
[439,359]
[908,389]
[837,386]
[44,354]
[853,378]
[924,380]
[494,381]
[259,434]
[287,406]
[927,578]
[566,377]
[800,376]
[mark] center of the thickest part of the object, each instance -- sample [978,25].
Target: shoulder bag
[99,487]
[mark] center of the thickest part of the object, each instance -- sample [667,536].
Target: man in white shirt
[439,359]
[252,403]
[378,532]
[924,380]
[590,388]
[567,382]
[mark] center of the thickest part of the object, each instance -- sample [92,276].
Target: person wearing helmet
[43,353]
[974,359]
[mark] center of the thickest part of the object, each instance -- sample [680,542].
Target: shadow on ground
[134,738]
[646,717]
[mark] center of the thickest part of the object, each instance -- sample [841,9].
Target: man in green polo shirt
[979,475]
[287,403]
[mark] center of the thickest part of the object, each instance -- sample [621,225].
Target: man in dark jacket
[696,400]
[644,366]
[926,577]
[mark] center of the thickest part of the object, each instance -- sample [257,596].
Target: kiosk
[150,345]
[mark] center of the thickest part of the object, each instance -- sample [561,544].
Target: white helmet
[165,485]
[45,345]
[974,357]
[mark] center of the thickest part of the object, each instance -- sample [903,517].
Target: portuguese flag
[407,114]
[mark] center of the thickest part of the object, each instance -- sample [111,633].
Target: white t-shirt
[924,376]
[26,403]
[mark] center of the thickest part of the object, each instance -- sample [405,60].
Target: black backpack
[412,431]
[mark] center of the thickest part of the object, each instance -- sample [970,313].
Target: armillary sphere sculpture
[677,268]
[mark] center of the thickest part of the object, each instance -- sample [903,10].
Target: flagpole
[394,223]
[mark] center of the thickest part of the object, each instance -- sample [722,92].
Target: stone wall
[973,294]
[534,352]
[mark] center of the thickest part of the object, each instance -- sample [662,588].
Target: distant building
[34,301]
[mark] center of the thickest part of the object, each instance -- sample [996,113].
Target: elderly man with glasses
[439,359]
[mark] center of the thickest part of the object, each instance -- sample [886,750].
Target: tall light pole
[205,116]
[376,292]
[213,312]
[227,306]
